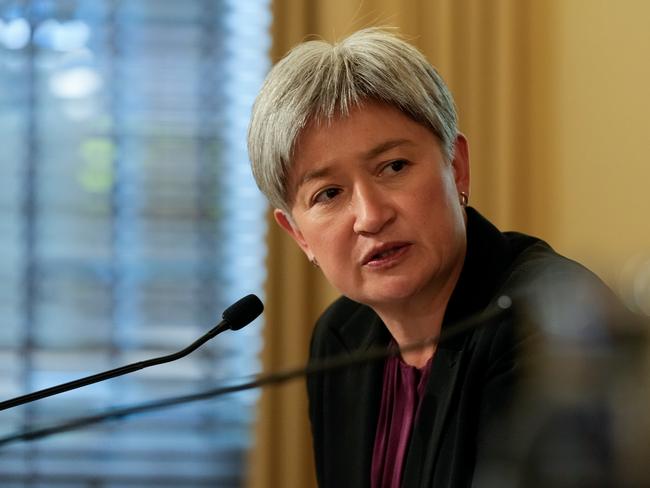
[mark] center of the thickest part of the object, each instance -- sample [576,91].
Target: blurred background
[129,219]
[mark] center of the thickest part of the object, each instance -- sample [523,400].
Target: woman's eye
[395,166]
[326,195]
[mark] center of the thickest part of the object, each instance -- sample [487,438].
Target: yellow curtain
[524,81]
[296,292]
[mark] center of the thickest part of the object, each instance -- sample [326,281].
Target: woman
[356,146]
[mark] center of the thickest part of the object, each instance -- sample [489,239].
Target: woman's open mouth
[387,255]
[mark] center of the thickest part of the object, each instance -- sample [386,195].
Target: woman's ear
[288,225]
[460,164]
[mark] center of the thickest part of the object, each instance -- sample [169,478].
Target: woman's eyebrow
[313,175]
[385,146]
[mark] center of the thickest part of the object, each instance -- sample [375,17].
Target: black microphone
[499,311]
[238,315]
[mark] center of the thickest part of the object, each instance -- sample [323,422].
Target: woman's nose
[372,210]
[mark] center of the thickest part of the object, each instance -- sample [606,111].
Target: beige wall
[599,133]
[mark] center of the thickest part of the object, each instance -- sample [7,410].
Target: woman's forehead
[369,129]
[368,132]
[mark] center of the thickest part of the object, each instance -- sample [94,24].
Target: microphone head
[243,312]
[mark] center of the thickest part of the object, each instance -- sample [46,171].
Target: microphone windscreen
[243,312]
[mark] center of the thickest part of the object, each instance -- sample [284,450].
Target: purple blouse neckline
[403,388]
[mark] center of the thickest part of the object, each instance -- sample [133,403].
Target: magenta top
[400,399]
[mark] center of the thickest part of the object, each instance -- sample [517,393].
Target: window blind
[129,221]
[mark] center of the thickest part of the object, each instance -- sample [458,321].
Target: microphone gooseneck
[241,313]
[498,311]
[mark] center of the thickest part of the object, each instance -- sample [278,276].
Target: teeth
[384,254]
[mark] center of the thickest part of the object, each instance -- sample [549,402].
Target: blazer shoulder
[537,266]
[559,296]
[344,326]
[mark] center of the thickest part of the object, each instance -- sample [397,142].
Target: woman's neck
[416,325]
[416,328]
[418,320]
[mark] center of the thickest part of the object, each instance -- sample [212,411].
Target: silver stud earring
[464,199]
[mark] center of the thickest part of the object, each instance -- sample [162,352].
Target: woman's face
[376,204]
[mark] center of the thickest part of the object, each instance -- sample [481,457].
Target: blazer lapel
[428,430]
[355,394]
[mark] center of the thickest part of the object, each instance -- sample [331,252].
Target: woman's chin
[389,295]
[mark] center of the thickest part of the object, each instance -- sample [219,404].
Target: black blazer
[471,379]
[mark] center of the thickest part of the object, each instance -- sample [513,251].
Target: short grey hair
[319,80]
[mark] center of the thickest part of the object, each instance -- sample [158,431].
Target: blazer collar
[487,258]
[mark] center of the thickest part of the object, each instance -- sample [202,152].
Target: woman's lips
[388,256]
